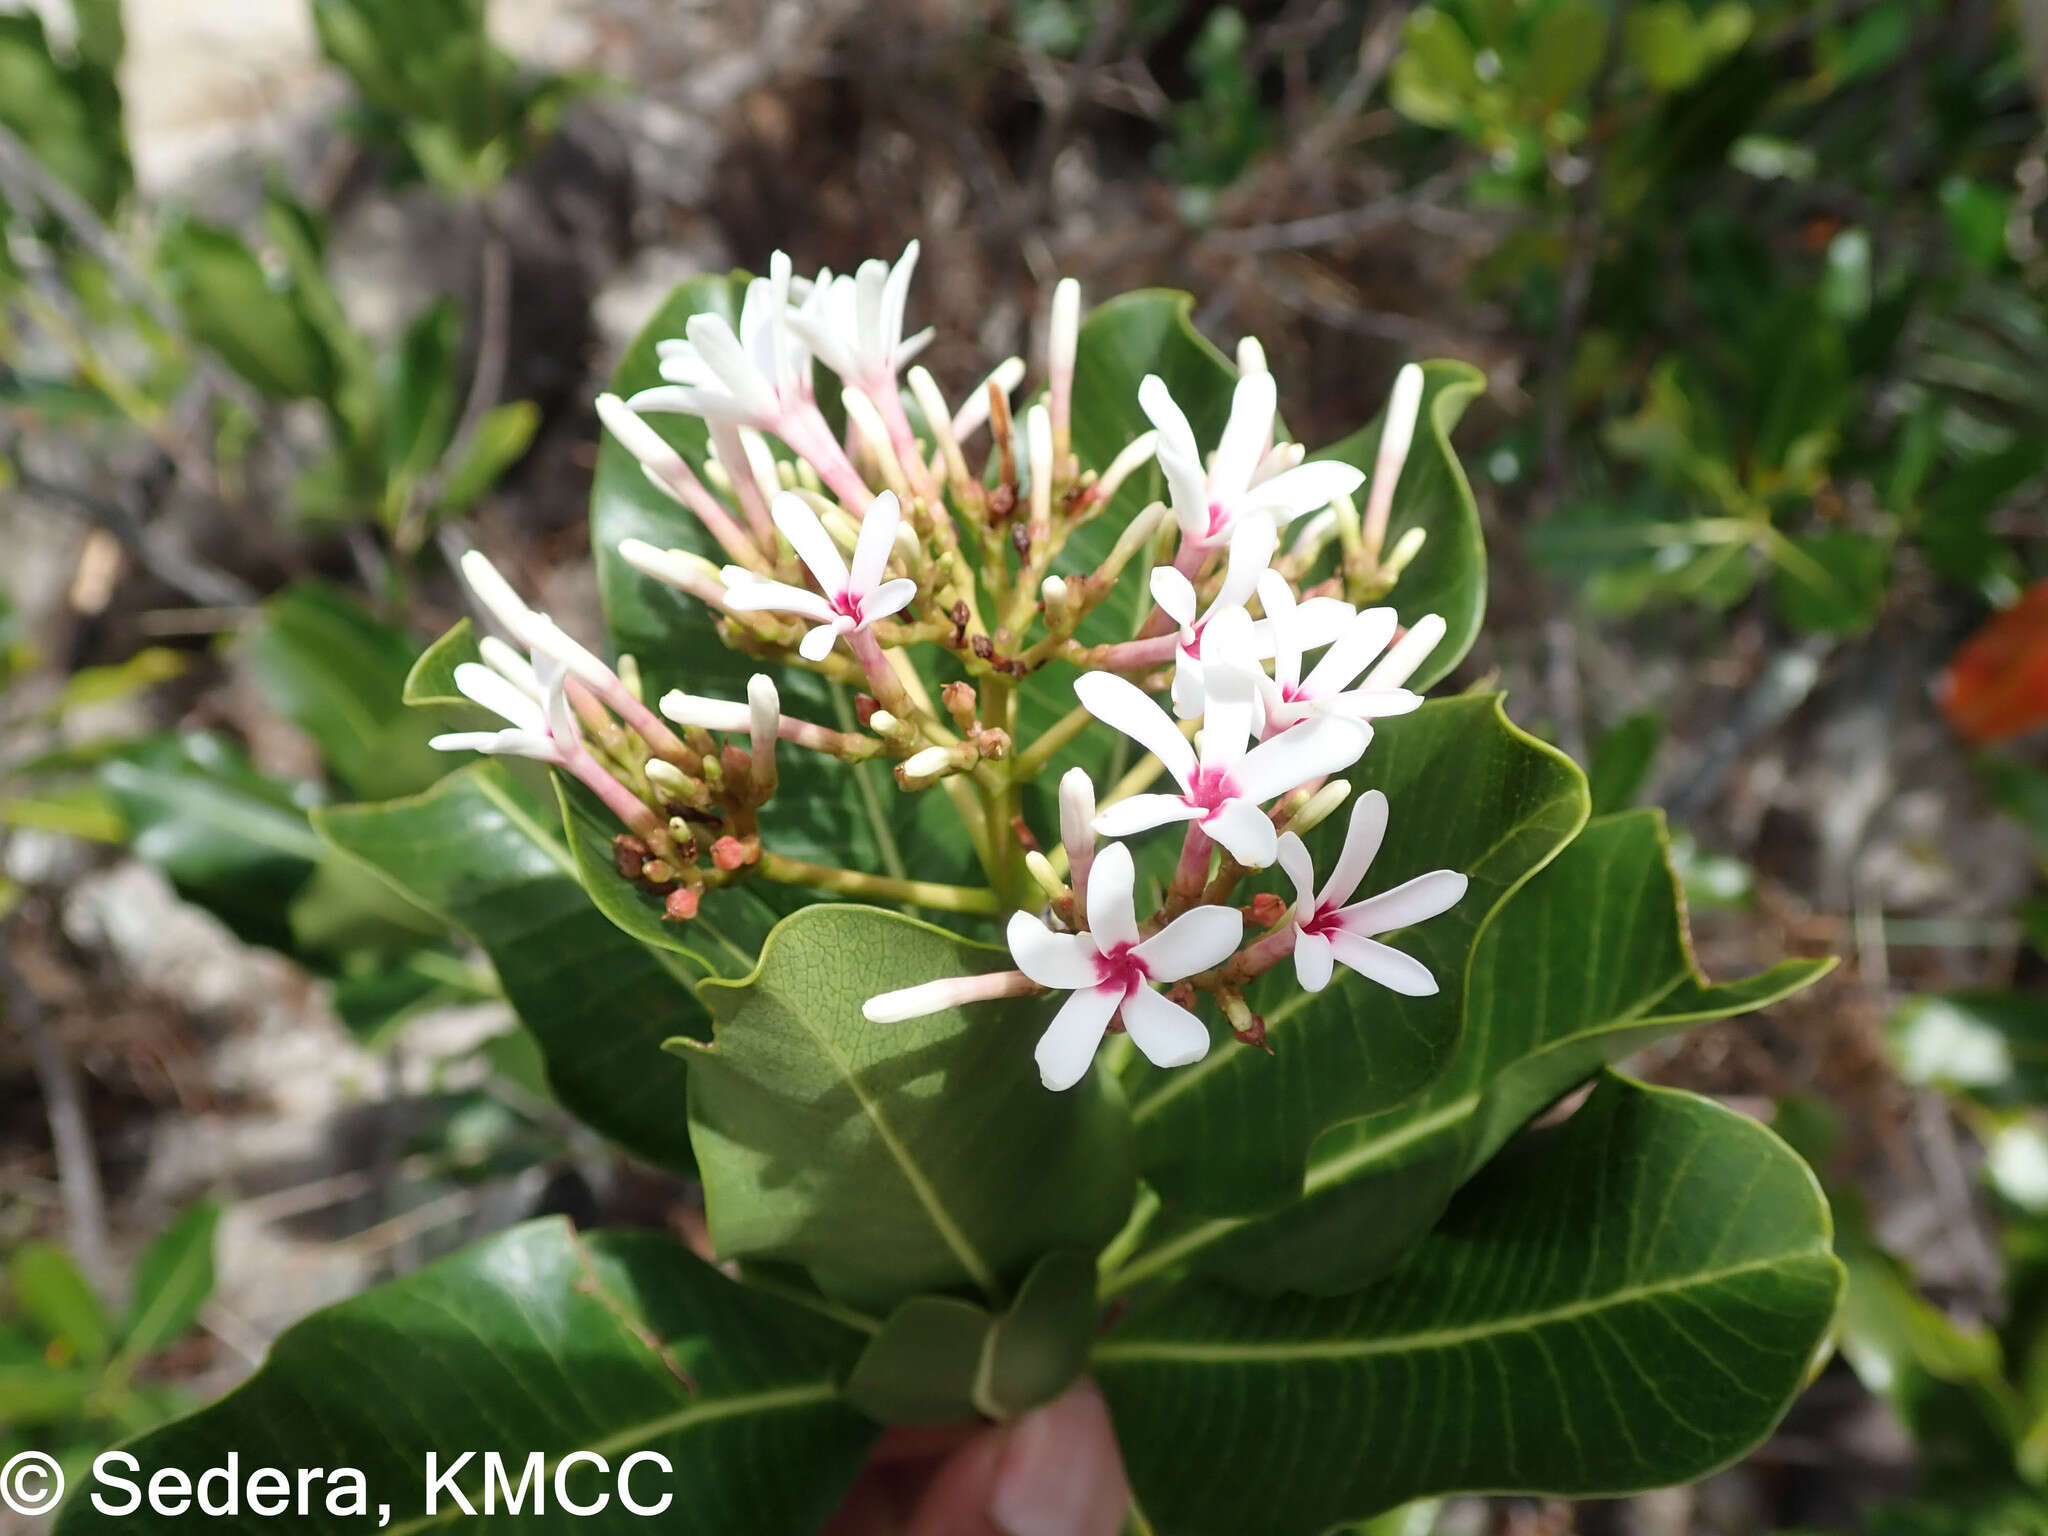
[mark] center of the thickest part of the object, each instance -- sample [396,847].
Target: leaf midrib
[979,1270]
[1442,1338]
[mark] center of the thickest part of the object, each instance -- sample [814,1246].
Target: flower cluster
[883,559]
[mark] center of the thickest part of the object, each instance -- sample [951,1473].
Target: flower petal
[1373,703]
[1384,964]
[1313,961]
[1408,654]
[1141,813]
[1245,435]
[817,643]
[500,696]
[1276,596]
[1413,901]
[1067,1047]
[1062,960]
[1362,839]
[748,593]
[813,545]
[1314,749]
[1187,692]
[1252,543]
[1231,693]
[497,744]
[1123,705]
[1307,488]
[1167,1033]
[1363,637]
[1112,919]
[1196,940]
[893,597]
[722,353]
[1175,595]
[877,538]
[1180,456]
[1244,831]
[1301,870]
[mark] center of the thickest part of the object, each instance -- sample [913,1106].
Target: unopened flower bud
[713,772]
[1136,454]
[1251,356]
[1038,451]
[637,437]
[1077,826]
[1062,340]
[628,854]
[1269,910]
[807,477]
[973,412]
[993,744]
[765,705]
[1320,806]
[961,703]
[688,709]
[882,723]
[1405,549]
[715,474]
[682,903]
[841,525]
[1054,590]
[668,778]
[928,764]
[1048,879]
[629,674]
[657,872]
[729,854]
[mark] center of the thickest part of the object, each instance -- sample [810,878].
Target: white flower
[1251,556]
[1289,698]
[1077,826]
[543,729]
[853,599]
[854,324]
[1327,932]
[1209,504]
[1223,790]
[1110,971]
[756,377]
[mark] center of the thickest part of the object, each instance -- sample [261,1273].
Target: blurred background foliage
[1761,293]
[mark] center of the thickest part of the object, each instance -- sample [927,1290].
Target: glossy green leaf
[339,675]
[897,1158]
[227,836]
[939,1359]
[1623,760]
[1627,1300]
[432,678]
[56,1298]
[173,1279]
[543,1342]
[1584,964]
[488,856]
[825,812]
[1232,1133]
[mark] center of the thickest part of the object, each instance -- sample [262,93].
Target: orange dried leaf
[1996,686]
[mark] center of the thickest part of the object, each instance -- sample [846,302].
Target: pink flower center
[1325,923]
[1211,789]
[1120,970]
[1219,521]
[847,605]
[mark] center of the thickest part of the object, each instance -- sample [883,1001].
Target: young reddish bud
[628,854]
[864,707]
[729,854]
[682,903]
[1268,910]
[961,703]
[735,764]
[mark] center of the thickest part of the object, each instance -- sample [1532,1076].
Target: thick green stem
[854,882]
